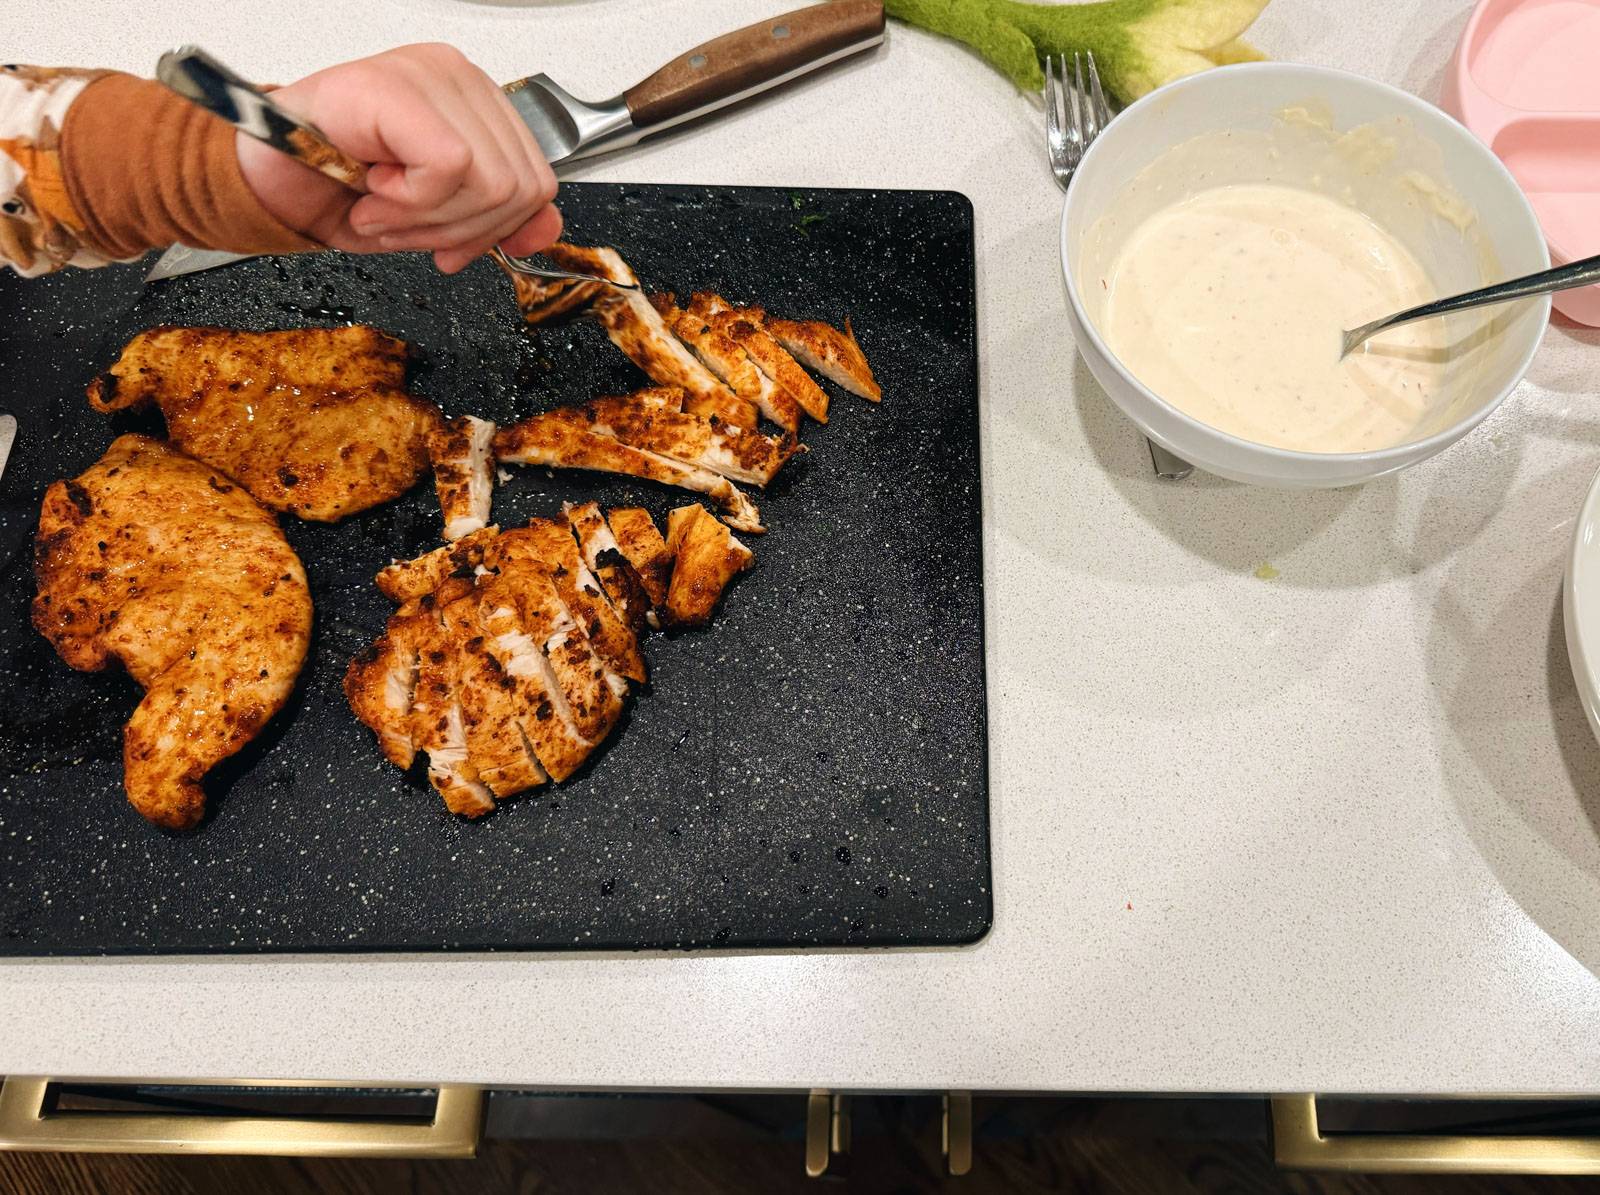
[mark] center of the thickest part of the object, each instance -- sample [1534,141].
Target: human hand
[453,170]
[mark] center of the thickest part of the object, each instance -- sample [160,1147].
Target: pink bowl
[1525,78]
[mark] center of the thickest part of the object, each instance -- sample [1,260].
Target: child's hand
[453,168]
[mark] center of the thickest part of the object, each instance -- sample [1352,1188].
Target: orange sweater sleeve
[143,168]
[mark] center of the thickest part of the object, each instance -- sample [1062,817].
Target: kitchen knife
[723,71]
[8,436]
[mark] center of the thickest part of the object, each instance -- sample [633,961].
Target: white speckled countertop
[1334,831]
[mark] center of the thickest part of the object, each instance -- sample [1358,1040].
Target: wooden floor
[1075,1154]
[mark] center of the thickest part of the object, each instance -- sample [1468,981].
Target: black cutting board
[809,770]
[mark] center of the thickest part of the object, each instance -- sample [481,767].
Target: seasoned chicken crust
[154,559]
[314,422]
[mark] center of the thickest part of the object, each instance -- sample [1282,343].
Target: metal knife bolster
[600,128]
[721,72]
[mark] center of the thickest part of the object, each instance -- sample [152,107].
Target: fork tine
[1097,95]
[1079,103]
[1052,108]
[1091,114]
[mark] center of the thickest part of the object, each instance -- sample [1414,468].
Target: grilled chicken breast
[157,560]
[543,714]
[743,327]
[406,580]
[492,706]
[618,579]
[640,542]
[658,420]
[824,349]
[314,422]
[436,722]
[463,473]
[732,364]
[638,329]
[705,560]
[567,439]
[510,657]
[381,684]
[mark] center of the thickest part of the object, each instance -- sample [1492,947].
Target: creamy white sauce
[1229,305]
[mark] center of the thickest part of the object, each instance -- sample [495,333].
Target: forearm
[101,167]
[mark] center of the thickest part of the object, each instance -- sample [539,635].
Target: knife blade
[718,73]
[8,436]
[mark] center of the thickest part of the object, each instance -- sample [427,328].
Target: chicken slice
[550,542]
[407,580]
[564,439]
[706,557]
[153,558]
[314,422]
[599,260]
[605,560]
[584,690]
[743,327]
[381,682]
[659,421]
[636,327]
[542,299]
[492,705]
[733,365]
[823,348]
[546,720]
[463,473]
[639,540]
[437,728]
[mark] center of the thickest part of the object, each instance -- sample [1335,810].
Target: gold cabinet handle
[453,1132]
[1299,1145]
[957,1135]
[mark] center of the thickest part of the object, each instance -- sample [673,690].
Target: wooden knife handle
[737,64]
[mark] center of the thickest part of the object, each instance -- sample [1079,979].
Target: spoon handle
[1582,272]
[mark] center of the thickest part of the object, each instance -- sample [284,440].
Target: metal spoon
[1583,272]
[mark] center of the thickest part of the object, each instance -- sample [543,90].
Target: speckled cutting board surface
[809,770]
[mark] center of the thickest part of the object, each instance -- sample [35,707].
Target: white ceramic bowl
[1580,605]
[1249,97]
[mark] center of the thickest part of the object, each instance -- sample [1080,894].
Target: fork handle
[752,59]
[202,80]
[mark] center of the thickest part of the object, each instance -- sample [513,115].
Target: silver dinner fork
[1074,114]
[524,265]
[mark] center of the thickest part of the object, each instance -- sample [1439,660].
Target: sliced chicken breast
[546,721]
[743,327]
[491,706]
[639,540]
[659,421]
[828,351]
[542,299]
[460,451]
[733,365]
[564,439]
[407,580]
[551,542]
[382,681]
[581,684]
[605,560]
[706,558]
[636,327]
[437,726]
